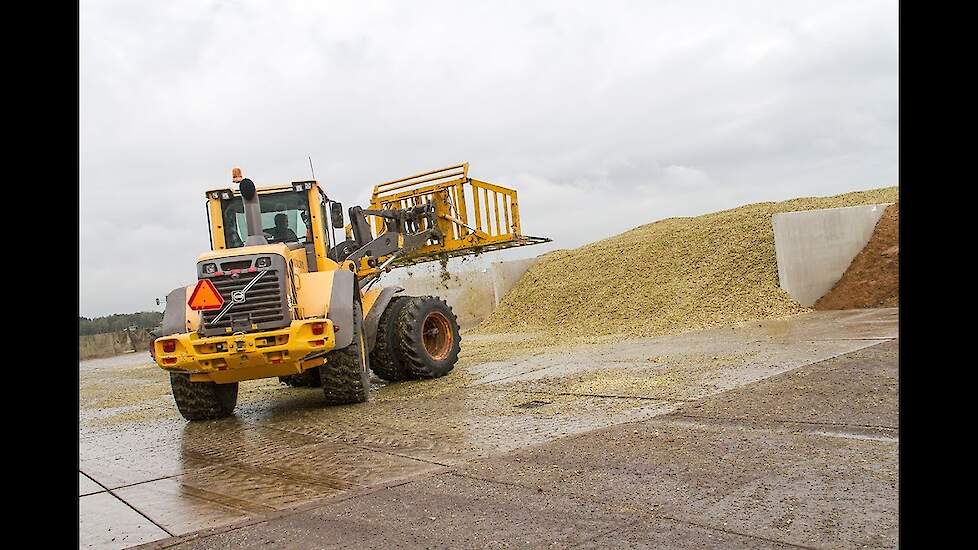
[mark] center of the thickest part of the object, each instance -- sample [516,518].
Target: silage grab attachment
[470,216]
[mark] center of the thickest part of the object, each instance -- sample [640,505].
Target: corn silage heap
[665,277]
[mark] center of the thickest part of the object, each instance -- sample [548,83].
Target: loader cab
[302,206]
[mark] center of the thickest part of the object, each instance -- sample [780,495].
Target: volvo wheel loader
[279,295]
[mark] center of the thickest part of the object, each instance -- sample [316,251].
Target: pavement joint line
[778,420]
[844,435]
[877,339]
[90,478]
[572,394]
[495,481]
[133,508]
[231,463]
[433,463]
[732,532]
[479,384]
[144,481]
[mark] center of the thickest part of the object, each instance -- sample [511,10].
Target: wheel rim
[437,335]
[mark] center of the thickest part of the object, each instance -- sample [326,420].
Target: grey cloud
[604,116]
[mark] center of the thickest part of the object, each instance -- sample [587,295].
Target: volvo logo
[238,296]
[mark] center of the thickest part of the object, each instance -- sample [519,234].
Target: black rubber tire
[385,359]
[344,376]
[202,400]
[308,379]
[410,335]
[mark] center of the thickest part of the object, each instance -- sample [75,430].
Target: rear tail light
[169,346]
[317,328]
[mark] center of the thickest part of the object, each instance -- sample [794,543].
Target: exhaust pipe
[252,209]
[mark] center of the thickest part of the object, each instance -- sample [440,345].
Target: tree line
[119,321]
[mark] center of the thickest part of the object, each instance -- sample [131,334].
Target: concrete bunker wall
[815,247]
[473,294]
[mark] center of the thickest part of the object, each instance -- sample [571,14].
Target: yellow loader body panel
[248,356]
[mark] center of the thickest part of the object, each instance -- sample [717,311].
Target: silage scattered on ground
[665,277]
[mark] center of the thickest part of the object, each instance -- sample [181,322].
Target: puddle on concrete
[283,448]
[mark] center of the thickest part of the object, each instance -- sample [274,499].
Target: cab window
[284,217]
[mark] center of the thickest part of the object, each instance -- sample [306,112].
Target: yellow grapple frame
[473,215]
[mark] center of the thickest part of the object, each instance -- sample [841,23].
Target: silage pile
[665,277]
[873,277]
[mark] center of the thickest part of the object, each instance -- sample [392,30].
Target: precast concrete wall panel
[469,293]
[474,293]
[506,274]
[815,247]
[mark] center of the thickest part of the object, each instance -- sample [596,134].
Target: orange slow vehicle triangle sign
[205,296]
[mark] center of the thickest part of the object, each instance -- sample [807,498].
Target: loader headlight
[210,269]
[264,261]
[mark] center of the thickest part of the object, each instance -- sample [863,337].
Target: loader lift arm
[403,232]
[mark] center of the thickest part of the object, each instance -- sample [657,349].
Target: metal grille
[263,301]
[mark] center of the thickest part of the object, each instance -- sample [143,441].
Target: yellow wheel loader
[279,295]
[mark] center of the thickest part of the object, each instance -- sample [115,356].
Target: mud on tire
[344,375]
[385,359]
[428,336]
[202,400]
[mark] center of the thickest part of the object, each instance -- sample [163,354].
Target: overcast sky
[604,115]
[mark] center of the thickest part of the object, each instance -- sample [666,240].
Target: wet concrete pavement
[765,434]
